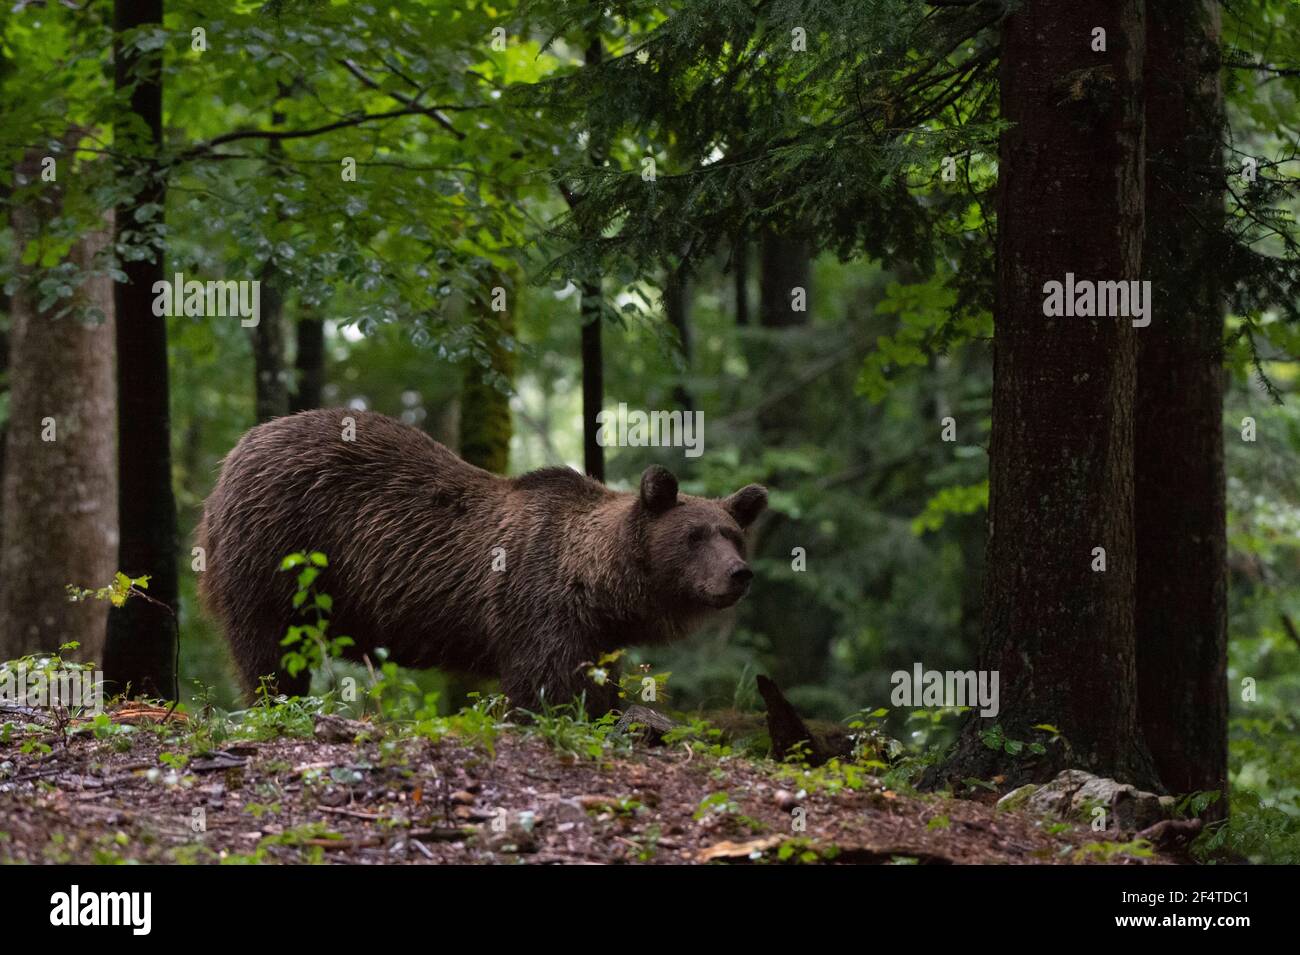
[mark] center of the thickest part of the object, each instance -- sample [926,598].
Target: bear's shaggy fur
[528,579]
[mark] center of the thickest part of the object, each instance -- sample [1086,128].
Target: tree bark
[140,654]
[485,424]
[593,366]
[1181,518]
[785,728]
[6,308]
[784,265]
[593,382]
[677,306]
[59,496]
[270,383]
[309,362]
[1059,634]
[740,276]
[271,388]
[799,650]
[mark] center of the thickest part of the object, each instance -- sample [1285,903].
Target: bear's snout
[735,583]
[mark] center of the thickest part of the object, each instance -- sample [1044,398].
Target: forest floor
[131,787]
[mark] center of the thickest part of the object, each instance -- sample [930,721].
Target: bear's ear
[746,504]
[658,489]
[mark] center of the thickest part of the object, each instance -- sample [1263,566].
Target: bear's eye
[697,534]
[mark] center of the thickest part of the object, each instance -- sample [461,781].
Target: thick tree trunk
[1181,543]
[1059,633]
[141,648]
[60,495]
[309,363]
[6,307]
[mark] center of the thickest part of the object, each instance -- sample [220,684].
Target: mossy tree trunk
[60,486]
[485,428]
[485,423]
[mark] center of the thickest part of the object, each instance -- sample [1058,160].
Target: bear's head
[696,546]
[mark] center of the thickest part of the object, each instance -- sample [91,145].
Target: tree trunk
[6,310]
[270,383]
[485,428]
[740,276]
[1181,543]
[593,382]
[271,388]
[798,650]
[785,297]
[141,649]
[60,495]
[1059,634]
[785,266]
[593,366]
[485,425]
[309,362]
[677,305]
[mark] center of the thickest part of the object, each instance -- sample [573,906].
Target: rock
[1098,791]
[336,729]
[1017,798]
[218,760]
[1127,807]
[785,799]
[1145,809]
[1054,797]
[515,840]
[334,796]
[1074,793]
[651,724]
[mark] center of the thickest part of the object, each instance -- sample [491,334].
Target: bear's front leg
[561,683]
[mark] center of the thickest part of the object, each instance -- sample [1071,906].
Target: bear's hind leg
[257,656]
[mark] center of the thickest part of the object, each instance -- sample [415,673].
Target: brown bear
[529,579]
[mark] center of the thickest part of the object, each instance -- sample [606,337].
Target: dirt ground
[415,800]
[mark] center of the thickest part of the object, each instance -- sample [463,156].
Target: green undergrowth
[388,707]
